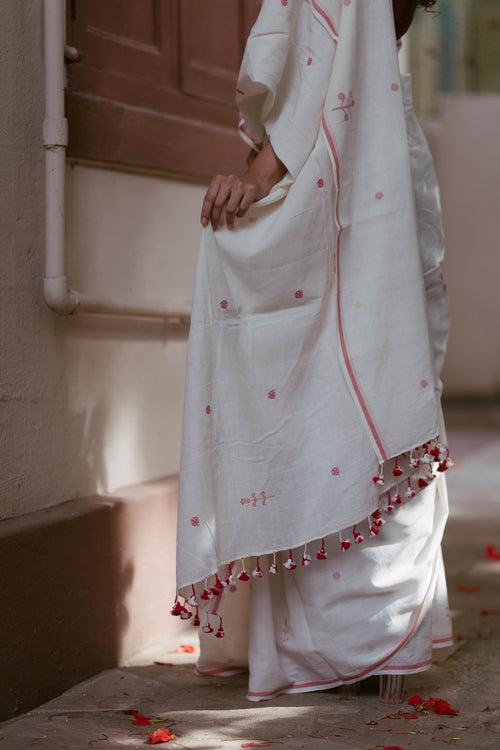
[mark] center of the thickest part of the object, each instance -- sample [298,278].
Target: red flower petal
[415,700]
[468,587]
[141,721]
[440,706]
[187,649]
[493,553]
[393,747]
[159,736]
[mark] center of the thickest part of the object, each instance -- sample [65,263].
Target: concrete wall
[86,404]
[466,152]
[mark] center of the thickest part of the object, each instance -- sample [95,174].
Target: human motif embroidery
[346,104]
[255,499]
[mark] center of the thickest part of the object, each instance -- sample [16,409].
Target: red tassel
[217,587]
[243,575]
[257,572]
[410,492]
[220,631]
[322,554]
[206,594]
[378,479]
[422,483]
[306,558]
[397,470]
[177,608]
[186,614]
[398,499]
[196,618]
[192,601]
[273,568]
[377,518]
[207,628]
[389,507]
[358,537]
[290,564]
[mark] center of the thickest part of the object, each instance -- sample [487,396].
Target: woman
[312,410]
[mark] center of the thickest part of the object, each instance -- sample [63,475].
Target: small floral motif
[379,195]
[224,304]
[299,294]
[309,60]
[255,499]
[271,394]
[424,383]
[335,471]
[320,183]
[347,2]
[346,104]
[284,2]
[394,87]
[195,521]
[208,409]
[336,575]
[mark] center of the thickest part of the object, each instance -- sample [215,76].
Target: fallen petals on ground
[187,648]
[160,736]
[141,721]
[402,715]
[493,553]
[437,705]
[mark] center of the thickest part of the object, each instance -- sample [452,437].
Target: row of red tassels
[429,454]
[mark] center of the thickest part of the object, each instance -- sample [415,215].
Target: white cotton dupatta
[312,395]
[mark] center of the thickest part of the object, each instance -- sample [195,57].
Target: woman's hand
[235,195]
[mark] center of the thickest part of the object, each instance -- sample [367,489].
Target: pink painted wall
[466,148]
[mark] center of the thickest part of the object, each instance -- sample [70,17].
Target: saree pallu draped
[312,400]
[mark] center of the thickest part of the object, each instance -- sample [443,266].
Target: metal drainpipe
[57,292]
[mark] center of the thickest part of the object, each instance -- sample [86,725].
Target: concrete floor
[213,713]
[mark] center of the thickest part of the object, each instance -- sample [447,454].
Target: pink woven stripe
[326,17]
[343,342]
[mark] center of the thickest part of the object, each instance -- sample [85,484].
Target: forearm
[265,168]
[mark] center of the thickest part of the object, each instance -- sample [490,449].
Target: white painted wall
[85,403]
[466,152]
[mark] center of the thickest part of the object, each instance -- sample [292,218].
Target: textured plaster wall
[85,404]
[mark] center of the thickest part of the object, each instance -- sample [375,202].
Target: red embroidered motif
[424,383]
[224,303]
[320,183]
[309,60]
[271,394]
[208,409]
[346,104]
[195,521]
[284,2]
[253,499]
[379,195]
[394,87]
[335,471]
[335,575]
[299,294]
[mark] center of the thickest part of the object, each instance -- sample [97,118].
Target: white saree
[312,405]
